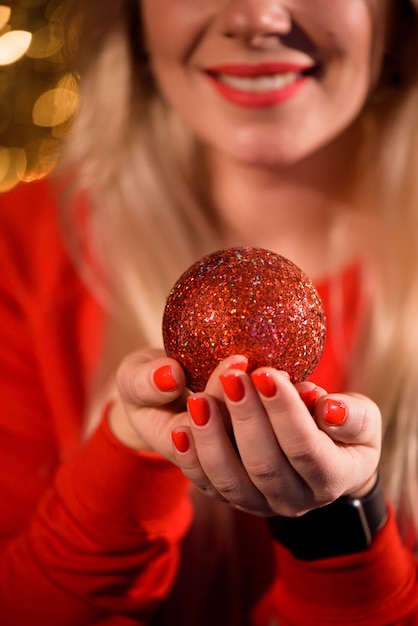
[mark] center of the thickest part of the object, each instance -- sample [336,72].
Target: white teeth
[259,84]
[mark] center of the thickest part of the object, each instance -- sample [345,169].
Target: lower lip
[257,100]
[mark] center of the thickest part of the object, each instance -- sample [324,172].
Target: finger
[258,442]
[329,462]
[150,401]
[354,422]
[236,361]
[147,378]
[310,393]
[321,469]
[218,457]
[349,418]
[293,426]
[185,457]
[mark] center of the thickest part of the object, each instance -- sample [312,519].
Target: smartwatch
[345,526]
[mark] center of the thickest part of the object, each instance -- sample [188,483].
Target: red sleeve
[377,587]
[88,532]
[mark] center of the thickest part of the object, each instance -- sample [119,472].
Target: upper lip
[250,70]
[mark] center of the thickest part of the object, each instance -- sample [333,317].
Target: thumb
[349,418]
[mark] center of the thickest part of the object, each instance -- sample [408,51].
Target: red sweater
[95,533]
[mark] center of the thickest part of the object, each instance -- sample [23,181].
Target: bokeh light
[38,96]
[13,45]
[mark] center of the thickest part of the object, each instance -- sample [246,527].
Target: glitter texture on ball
[245,301]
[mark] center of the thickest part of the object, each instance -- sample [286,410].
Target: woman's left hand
[273,448]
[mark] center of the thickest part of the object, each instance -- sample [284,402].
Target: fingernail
[309,398]
[265,384]
[335,412]
[180,440]
[233,386]
[199,410]
[240,365]
[164,379]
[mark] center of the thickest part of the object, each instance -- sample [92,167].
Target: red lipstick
[267,84]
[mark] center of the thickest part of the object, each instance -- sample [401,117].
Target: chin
[281,150]
[269,156]
[266,148]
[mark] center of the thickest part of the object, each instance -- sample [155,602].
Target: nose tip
[256,20]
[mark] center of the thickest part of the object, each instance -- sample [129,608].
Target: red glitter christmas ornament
[245,301]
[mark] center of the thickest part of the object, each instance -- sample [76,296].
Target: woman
[286,125]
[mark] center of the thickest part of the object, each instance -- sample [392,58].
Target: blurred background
[38,97]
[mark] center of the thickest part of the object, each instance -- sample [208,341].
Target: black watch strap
[346,526]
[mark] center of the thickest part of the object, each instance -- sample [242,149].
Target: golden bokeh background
[38,96]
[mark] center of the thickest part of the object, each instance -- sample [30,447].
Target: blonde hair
[145,182]
[116,149]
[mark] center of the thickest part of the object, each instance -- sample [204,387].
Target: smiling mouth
[260,78]
[259,84]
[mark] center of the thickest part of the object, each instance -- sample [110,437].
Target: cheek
[352,46]
[173,27]
[365,36]
[344,31]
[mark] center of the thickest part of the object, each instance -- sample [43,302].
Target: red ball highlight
[247,301]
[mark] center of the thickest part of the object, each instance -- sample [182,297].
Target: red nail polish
[233,386]
[264,382]
[240,365]
[335,413]
[309,398]
[180,440]
[164,379]
[199,410]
